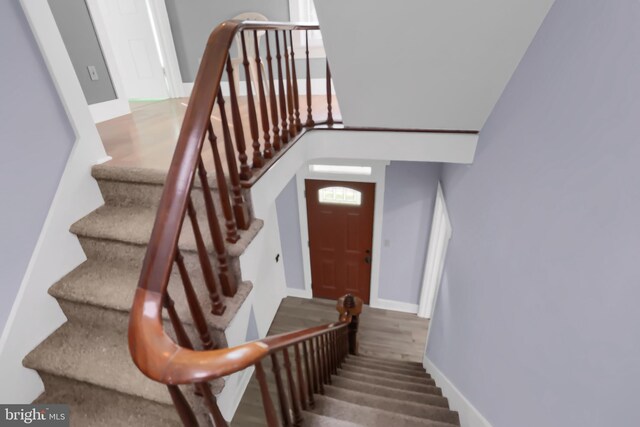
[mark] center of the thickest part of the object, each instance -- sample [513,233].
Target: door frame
[160,21]
[440,235]
[378,173]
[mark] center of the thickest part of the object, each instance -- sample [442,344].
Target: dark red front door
[340,216]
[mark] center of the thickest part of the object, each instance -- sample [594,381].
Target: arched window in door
[340,196]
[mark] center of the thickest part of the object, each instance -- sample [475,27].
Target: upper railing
[267,119]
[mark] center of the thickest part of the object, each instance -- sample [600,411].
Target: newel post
[350,308]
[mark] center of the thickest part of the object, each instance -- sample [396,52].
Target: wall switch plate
[93,74]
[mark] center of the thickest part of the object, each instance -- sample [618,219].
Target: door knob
[367,260]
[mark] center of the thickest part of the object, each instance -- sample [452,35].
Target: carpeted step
[372,417]
[100,294]
[99,407]
[132,225]
[391,404]
[358,361]
[98,357]
[380,390]
[400,385]
[383,373]
[132,186]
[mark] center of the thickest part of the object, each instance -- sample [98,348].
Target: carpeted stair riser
[99,407]
[383,373]
[400,385]
[379,390]
[355,361]
[99,357]
[389,403]
[371,417]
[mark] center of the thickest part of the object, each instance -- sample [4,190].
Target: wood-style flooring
[382,333]
[147,137]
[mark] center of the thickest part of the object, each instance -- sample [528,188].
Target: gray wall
[81,41]
[35,141]
[537,320]
[409,197]
[192,21]
[289,224]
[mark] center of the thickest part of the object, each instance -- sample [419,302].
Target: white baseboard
[469,415]
[318,87]
[299,293]
[394,305]
[108,110]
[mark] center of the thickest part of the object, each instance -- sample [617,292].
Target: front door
[340,216]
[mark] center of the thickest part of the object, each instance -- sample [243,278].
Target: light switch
[93,74]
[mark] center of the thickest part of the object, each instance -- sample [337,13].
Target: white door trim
[378,173]
[436,253]
[160,19]
[116,107]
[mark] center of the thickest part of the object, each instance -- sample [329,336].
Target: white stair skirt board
[35,314]
[469,415]
[318,87]
[108,110]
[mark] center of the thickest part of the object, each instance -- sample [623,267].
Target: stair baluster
[302,389]
[292,124]
[223,189]
[258,161]
[267,403]
[245,170]
[217,307]
[272,98]
[228,283]
[264,113]
[320,372]
[210,401]
[182,406]
[284,136]
[309,123]
[240,209]
[194,305]
[285,411]
[294,79]
[329,112]
[308,371]
[293,391]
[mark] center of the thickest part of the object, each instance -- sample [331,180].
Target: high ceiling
[425,64]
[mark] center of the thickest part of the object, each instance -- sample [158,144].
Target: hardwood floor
[147,137]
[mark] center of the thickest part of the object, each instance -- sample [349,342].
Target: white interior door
[133,41]
[436,253]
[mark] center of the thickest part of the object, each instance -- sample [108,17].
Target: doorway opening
[340,221]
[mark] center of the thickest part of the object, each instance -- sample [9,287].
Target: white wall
[430,64]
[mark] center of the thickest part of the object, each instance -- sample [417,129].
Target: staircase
[163,270]
[86,362]
[384,385]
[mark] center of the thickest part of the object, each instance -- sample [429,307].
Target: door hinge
[308,244]
[305,193]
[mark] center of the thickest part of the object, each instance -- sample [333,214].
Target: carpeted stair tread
[93,406]
[380,390]
[383,373]
[101,359]
[391,404]
[133,224]
[401,385]
[358,361]
[373,417]
[112,287]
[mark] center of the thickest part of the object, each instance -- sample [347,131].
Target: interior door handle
[367,259]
